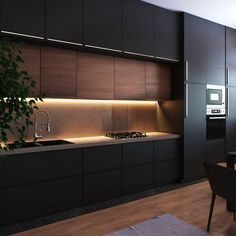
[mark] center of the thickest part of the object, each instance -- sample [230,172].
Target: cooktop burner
[121,135]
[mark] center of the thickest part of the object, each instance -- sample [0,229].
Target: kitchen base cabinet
[167,172]
[102,186]
[137,178]
[215,150]
[26,202]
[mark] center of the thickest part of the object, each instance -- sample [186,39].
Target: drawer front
[167,172]
[102,186]
[137,178]
[33,167]
[102,158]
[31,201]
[167,149]
[137,153]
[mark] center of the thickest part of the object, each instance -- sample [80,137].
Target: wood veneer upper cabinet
[64,20]
[58,72]
[95,76]
[103,23]
[158,82]
[24,16]
[129,79]
[31,64]
[167,34]
[138,30]
[231,55]
[195,48]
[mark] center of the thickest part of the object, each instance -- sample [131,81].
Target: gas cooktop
[122,135]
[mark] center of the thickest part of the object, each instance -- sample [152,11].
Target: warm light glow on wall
[91,101]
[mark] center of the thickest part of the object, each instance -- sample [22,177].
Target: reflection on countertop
[92,141]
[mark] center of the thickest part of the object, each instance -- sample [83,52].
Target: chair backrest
[222,181]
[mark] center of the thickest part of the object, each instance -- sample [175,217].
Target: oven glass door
[214,97]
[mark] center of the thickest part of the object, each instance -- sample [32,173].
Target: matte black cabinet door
[102,186]
[167,172]
[137,153]
[231,55]
[39,166]
[138,30]
[103,23]
[195,48]
[137,178]
[64,20]
[231,121]
[195,132]
[102,158]
[167,32]
[24,16]
[167,149]
[215,45]
[33,201]
[215,150]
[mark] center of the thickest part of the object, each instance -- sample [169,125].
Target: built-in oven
[215,127]
[215,104]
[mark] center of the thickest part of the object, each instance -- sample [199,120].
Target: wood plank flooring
[190,204]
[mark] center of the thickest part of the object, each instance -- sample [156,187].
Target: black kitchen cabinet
[103,23]
[215,45]
[102,158]
[167,149]
[64,20]
[102,186]
[22,17]
[137,178]
[195,44]
[138,27]
[194,131]
[215,53]
[231,121]
[167,172]
[137,153]
[39,166]
[215,150]
[26,202]
[230,56]
[167,34]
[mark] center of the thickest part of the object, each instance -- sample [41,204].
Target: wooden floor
[189,203]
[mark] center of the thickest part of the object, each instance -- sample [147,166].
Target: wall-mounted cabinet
[22,17]
[138,27]
[167,34]
[103,24]
[64,20]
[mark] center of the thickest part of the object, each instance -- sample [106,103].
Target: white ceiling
[220,11]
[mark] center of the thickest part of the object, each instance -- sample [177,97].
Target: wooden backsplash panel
[129,79]
[158,81]
[31,57]
[95,76]
[58,72]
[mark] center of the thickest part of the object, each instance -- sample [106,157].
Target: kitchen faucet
[38,127]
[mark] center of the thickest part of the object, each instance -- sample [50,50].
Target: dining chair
[222,181]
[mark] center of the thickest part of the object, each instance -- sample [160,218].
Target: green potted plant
[15,87]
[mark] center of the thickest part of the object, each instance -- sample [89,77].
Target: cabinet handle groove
[103,48]
[228,109]
[19,34]
[227,76]
[186,101]
[138,54]
[167,59]
[62,41]
[186,70]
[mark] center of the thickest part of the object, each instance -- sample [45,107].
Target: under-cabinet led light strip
[18,34]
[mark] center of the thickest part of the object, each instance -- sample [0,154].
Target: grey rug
[165,225]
